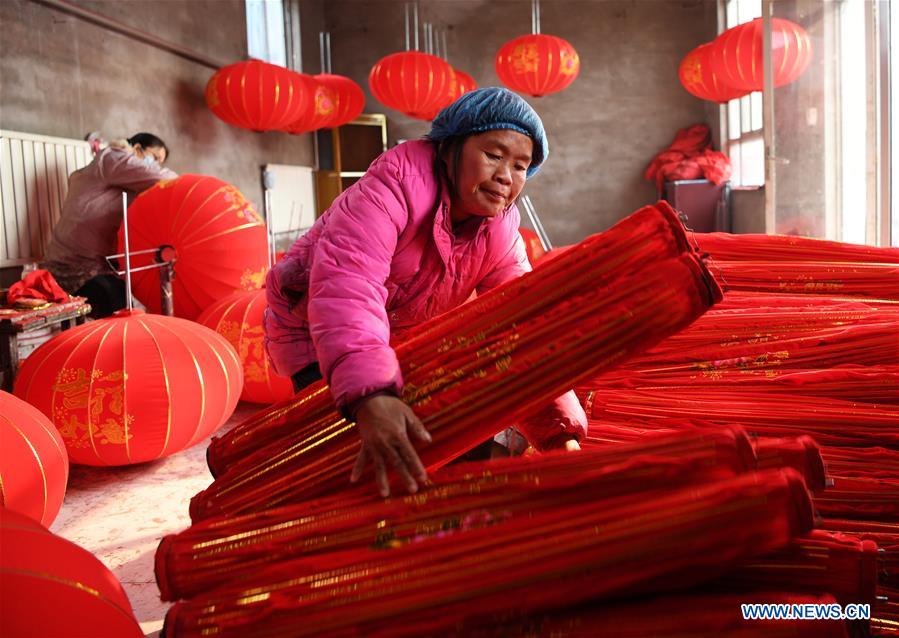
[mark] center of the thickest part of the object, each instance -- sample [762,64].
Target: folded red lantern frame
[860,498]
[466,496]
[652,233]
[469,390]
[674,616]
[829,421]
[879,281]
[885,535]
[875,463]
[800,453]
[674,540]
[868,384]
[838,564]
[768,339]
[728,247]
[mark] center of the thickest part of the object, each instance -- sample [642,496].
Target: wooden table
[15,322]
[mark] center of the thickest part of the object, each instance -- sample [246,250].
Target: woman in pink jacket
[431,222]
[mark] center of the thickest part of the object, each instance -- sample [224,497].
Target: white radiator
[34,178]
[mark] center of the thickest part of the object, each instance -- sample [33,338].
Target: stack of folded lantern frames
[671,518]
[804,343]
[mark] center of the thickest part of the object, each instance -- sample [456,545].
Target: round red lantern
[34,466]
[412,82]
[320,111]
[238,319]
[349,98]
[736,54]
[256,95]
[532,245]
[461,84]
[134,387]
[537,64]
[219,242]
[698,78]
[51,587]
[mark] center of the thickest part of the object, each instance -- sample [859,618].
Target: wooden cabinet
[345,153]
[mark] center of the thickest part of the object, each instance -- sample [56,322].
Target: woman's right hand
[385,425]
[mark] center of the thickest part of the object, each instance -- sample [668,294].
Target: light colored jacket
[383,258]
[92,213]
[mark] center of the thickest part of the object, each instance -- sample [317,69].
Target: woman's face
[157,152]
[492,170]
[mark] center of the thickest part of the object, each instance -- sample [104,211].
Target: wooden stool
[16,323]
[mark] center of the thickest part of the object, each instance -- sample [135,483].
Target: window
[745,143]
[265,31]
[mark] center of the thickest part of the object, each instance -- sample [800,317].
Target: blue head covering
[490,109]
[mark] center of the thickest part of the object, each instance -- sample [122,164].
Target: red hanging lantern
[257,95]
[320,110]
[461,84]
[698,78]
[537,64]
[218,237]
[34,466]
[238,319]
[532,244]
[736,55]
[132,388]
[349,98]
[51,587]
[412,82]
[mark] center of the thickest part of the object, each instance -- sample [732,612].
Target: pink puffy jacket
[384,257]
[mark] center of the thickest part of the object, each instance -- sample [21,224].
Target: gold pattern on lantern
[212,92]
[324,101]
[252,280]
[243,207]
[248,341]
[96,398]
[570,63]
[693,69]
[525,59]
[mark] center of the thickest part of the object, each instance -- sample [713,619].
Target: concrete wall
[60,75]
[63,76]
[625,106]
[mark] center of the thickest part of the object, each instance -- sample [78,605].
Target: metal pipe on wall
[131,32]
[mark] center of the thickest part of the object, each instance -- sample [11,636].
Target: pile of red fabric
[38,284]
[690,156]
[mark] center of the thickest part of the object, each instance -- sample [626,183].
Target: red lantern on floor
[698,78]
[34,466]
[320,110]
[349,98]
[537,64]
[256,95]
[736,54]
[134,387]
[51,587]
[218,237]
[412,82]
[238,319]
